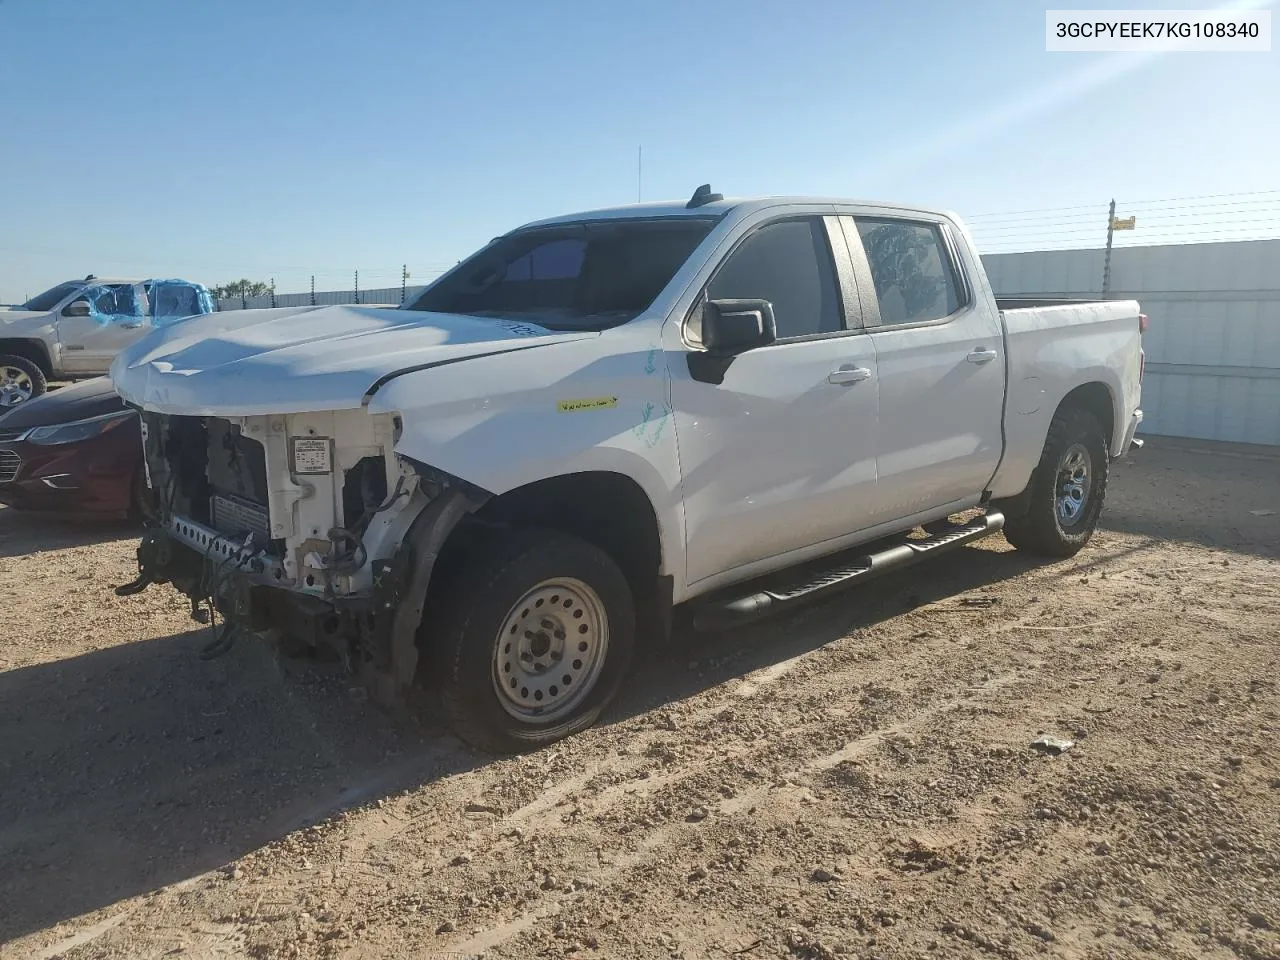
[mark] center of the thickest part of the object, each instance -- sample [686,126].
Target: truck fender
[402,584]
[37,351]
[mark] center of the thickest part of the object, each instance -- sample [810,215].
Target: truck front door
[939,351]
[89,344]
[777,449]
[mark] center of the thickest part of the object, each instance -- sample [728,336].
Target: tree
[240,288]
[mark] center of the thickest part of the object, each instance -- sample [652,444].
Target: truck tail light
[1144,323]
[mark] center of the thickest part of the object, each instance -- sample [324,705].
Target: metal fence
[321,298]
[1213,349]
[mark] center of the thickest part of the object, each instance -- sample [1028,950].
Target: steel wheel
[1065,495]
[550,650]
[1073,485]
[16,386]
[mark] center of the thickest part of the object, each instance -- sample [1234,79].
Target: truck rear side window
[577,276]
[911,270]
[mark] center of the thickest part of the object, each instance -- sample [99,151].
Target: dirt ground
[855,780]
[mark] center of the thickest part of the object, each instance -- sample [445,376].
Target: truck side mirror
[77,308]
[731,326]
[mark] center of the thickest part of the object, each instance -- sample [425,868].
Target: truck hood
[15,316]
[302,359]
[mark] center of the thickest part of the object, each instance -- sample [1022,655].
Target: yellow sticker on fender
[587,403]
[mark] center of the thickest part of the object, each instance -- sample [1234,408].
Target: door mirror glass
[77,308]
[732,326]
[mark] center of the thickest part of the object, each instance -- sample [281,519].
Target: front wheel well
[32,350]
[608,510]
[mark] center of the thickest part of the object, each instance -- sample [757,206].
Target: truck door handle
[847,373]
[981,355]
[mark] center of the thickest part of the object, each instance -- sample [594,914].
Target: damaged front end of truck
[308,527]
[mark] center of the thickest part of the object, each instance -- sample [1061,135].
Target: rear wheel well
[32,350]
[1094,398]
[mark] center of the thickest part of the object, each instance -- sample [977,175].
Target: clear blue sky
[215,140]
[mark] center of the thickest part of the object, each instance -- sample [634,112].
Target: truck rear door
[939,355]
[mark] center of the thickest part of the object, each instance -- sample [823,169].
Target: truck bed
[1051,345]
[1023,303]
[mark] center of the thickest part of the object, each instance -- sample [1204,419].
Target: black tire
[32,370]
[1047,528]
[478,615]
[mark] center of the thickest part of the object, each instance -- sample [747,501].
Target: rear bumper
[1134,422]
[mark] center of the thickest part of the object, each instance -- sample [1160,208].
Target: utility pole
[313,289]
[357,286]
[273,293]
[1106,260]
[404,281]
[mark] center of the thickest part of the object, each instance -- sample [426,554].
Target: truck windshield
[576,276]
[51,297]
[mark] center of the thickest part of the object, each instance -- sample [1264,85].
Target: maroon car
[77,450]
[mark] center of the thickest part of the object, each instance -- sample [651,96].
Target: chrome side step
[725,609]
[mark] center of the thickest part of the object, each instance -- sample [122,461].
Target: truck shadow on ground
[693,661]
[22,533]
[141,765]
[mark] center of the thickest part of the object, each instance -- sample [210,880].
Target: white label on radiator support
[311,455]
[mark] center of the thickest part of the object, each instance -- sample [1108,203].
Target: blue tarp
[175,299]
[158,302]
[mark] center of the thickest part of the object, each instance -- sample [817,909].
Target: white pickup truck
[732,406]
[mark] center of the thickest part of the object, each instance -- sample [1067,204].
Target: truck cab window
[789,264]
[570,276]
[114,300]
[911,270]
[554,260]
[51,297]
[168,300]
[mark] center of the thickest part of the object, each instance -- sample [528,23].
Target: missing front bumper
[205,567]
[378,629]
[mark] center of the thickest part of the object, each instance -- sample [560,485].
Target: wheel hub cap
[15,386]
[550,650]
[1073,485]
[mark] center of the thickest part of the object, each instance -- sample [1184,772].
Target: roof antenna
[703,196]
[91,277]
